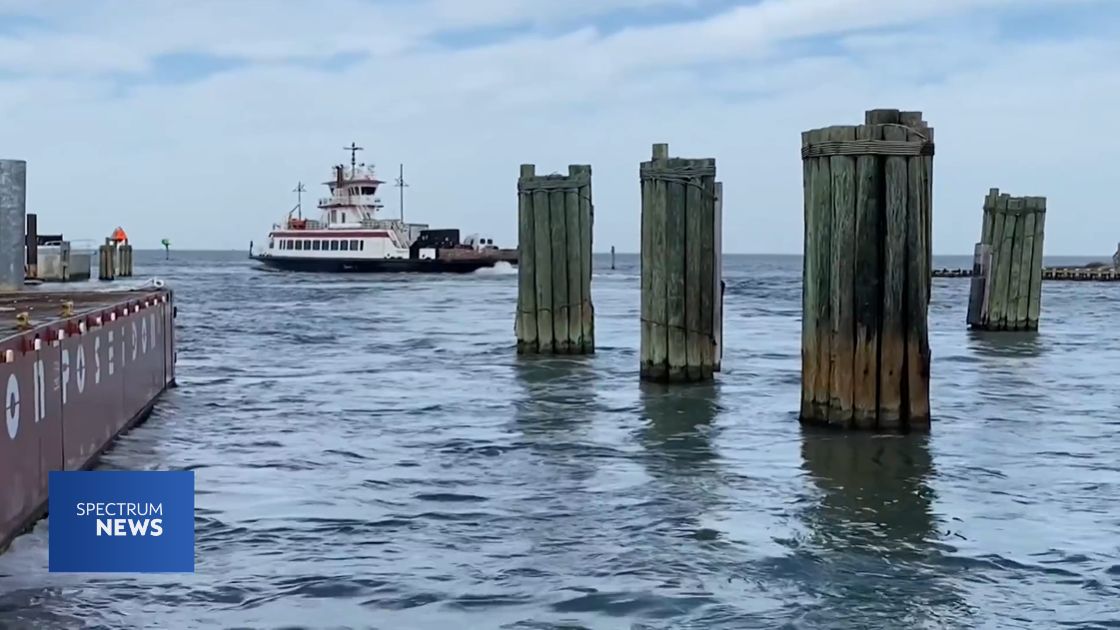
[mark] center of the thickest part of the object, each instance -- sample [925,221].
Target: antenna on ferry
[299,190]
[353,149]
[402,185]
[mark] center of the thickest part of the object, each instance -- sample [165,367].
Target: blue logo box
[121,521]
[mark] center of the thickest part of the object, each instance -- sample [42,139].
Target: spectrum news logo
[113,525]
[121,521]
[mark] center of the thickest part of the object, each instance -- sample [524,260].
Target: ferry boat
[349,236]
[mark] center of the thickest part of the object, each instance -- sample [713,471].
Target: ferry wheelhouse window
[368,190]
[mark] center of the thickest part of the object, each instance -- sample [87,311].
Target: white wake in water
[500,268]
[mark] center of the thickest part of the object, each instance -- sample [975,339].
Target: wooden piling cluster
[555,314]
[1007,272]
[680,270]
[866,278]
[124,260]
[107,261]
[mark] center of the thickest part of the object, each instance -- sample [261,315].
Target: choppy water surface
[371,453]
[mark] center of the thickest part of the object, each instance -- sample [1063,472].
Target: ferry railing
[350,200]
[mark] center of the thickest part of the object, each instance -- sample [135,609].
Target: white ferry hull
[392,265]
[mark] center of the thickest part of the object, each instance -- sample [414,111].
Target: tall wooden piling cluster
[864,340]
[1007,269]
[681,274]
[555,314]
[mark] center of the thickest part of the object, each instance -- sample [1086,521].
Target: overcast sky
[194,119]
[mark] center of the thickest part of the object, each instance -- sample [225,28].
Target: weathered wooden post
[555,314]
[681,279]
[865,292]
[1007,273]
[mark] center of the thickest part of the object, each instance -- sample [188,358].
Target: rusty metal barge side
[73,383]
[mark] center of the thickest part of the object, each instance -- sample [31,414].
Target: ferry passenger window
[361,244]
[299,245]
[290,243]
[354,245]
[315,244]
[334,246]
[344,245]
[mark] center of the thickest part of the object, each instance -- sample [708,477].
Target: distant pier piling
[555,314]
[1007,272]
[124,258]
[681,276]
[612,256]
[13,210]
[31,244]
[717,282]
[107,260]
[865,292]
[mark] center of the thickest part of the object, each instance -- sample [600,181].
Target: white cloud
[211,163]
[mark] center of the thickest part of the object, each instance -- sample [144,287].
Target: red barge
[77,368]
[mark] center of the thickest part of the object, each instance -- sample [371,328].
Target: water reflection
[874,519]
[557,391]
[678,423]
[677,431]
[1001,344]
